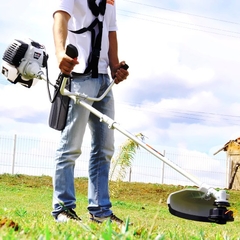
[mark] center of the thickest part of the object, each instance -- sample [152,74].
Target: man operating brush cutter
[91,27]
[22,63]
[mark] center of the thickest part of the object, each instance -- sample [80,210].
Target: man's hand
[66,63]
[119,74]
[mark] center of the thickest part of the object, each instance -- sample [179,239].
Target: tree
[124,159]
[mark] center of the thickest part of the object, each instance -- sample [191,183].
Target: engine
[23,62]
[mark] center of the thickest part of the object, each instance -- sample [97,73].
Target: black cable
[56,86]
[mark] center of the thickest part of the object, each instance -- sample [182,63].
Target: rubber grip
[71,51]
[125,66]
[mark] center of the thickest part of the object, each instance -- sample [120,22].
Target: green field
[25,201]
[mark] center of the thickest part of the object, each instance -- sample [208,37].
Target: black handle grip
[72,51]
[125,66]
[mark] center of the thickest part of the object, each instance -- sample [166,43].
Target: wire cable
[191,14]
[185,114]
[191,24]
[180,26]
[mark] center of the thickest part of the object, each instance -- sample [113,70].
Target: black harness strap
[96,40]
[97,9]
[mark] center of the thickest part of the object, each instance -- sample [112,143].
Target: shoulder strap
[85,29]
[96,41]
[97,9]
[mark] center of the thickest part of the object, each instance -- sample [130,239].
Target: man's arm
[117,72]
[60,31]
[113,51]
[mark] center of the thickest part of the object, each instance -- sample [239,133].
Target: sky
[183,57]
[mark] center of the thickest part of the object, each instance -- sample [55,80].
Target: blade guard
[192,204]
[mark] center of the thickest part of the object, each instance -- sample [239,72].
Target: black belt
[81,74]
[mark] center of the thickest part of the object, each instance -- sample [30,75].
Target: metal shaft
[114,125]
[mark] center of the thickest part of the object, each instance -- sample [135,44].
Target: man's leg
[70,147]
[101,154]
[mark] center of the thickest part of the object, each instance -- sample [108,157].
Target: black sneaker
[66,215]
[112,218]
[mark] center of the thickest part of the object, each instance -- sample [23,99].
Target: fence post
[163,165]
[14,152]
[130,174]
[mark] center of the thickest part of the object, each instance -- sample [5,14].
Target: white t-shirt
[81,16]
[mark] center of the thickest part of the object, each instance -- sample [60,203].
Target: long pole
[112,124]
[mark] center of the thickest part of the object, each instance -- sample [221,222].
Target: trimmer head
[192,204]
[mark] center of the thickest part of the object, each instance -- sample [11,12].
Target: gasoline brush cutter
[23,62]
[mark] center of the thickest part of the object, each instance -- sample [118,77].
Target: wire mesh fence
[35,156]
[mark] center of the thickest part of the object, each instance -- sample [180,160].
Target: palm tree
[124,159]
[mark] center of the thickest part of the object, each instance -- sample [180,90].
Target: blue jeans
[102,149]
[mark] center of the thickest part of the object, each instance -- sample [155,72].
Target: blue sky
[183,88]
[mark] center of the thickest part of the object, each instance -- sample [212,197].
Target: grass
[25,204]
